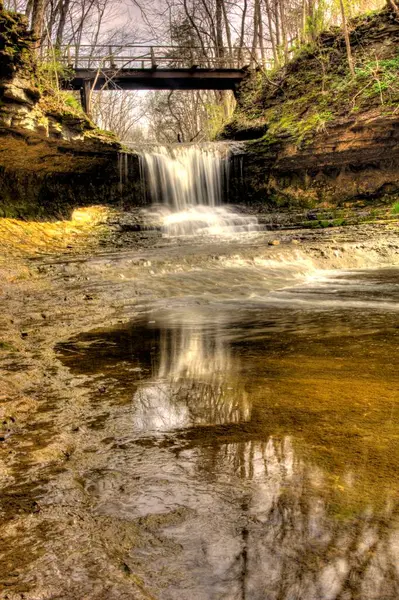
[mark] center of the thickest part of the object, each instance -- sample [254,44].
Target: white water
[187,185]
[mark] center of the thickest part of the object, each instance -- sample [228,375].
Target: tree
[347,39]
[37,19]
[394,5]
[260,33]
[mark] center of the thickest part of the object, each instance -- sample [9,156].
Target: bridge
[134,67]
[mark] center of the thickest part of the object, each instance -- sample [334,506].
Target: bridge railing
[116,57]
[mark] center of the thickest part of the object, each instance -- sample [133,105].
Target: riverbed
[204,418]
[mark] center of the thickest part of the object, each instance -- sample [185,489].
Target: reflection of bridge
[154,68]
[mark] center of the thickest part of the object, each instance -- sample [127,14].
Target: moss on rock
[15,44]
[316,88]
[314,133]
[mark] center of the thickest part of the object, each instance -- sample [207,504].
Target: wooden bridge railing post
[111,58]
[153,63]
[69,57]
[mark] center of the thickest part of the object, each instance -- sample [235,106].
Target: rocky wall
[316,135]
[52,157]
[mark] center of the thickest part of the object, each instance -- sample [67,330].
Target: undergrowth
[395,208]
[316,87]
[49,75]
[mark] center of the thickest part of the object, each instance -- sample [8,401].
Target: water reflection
[256,449]
[261,526]
[196,382]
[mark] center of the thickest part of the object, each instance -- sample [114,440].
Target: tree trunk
[242,33]
[194,26]
[61,24]
[219,32]
[28,10]
[277,21]
[228,33]
[311,17]
[271,32]
[260,33]
[347,39]
[304,22]
[393,5]
[37,20]
[283,29]
[255,35]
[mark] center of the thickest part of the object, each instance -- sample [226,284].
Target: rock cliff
[316,135]
[52,157]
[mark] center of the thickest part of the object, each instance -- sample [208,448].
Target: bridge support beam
[155,78]
[85,96]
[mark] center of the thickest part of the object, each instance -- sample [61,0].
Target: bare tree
[347,39]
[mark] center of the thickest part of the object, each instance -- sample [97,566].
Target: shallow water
[250,439]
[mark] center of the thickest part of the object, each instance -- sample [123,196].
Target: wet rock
[274,243]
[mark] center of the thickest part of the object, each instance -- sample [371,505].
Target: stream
[230,417]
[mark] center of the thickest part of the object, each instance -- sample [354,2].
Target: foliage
[216,118]
[15,44]
[72,101]
[380,77]
[316,87]
[50,73]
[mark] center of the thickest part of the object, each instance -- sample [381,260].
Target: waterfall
[184,176]
[187,186]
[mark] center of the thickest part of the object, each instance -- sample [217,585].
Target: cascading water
[187,185]
[186,176]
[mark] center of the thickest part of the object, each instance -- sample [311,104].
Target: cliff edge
[315,135]
[52,157]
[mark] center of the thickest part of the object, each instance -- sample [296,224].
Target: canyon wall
[52,157]
[314,135]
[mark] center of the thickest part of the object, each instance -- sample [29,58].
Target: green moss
[15,44]
[395,208]
[6,346]
[316,88]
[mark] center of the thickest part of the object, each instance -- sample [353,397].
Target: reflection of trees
[273,490]
[196,383]
[292,543]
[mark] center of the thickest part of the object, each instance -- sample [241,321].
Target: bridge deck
[159,79]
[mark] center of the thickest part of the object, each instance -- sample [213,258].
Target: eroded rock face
[326,138]
[52,159]
[351,160]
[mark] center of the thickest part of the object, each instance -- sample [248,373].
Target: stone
[274,243]
[16,94]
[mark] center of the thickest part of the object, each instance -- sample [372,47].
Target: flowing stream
[232,413]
